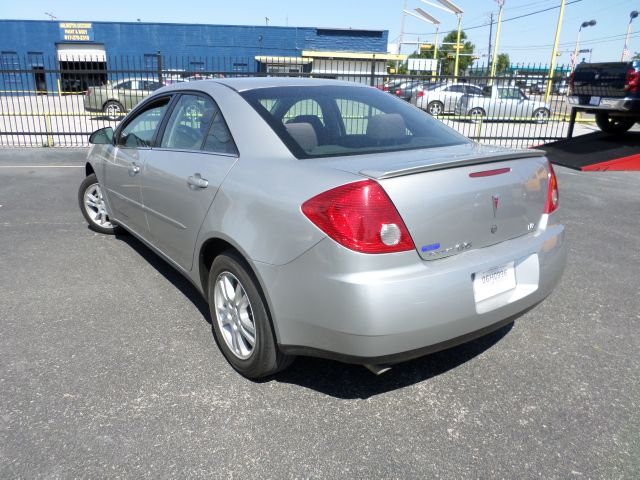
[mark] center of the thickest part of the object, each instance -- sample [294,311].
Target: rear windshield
[323,121]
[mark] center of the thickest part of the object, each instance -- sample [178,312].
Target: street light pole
[495,48]
[554,53]
[625,50]
[455,68]
[574,60]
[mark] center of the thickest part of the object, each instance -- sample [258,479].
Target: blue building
[32,49]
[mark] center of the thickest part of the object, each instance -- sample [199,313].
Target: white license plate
[494,281]
[594,101]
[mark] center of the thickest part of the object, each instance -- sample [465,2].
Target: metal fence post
[373,70]
[159,63]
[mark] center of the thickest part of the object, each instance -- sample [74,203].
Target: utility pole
[490,34]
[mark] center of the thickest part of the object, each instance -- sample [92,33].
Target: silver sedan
[326,218]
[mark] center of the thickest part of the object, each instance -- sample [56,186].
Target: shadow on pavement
[168,272]
[347,381]
[340,380]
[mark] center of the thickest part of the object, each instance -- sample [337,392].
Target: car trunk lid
[471,197]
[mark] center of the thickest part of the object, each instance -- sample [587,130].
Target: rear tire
[609,124]
[435,108]
[113,110]
[240,319]
[541,115]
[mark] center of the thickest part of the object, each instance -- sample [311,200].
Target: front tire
[240,319]
[92,205]
[476,114]
[609,124]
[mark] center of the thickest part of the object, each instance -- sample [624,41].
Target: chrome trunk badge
[495,201]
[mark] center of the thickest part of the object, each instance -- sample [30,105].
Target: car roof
[250,83]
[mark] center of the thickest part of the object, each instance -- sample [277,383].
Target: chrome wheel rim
[476,115]
[234,315]
[435,109]
[95,207]
[113,111]
[541,116]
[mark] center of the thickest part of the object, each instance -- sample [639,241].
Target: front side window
[139,132]
[347,120]
[509,93]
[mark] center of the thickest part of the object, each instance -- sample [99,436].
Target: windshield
[322,121]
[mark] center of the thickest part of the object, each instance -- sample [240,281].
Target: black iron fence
[60,101]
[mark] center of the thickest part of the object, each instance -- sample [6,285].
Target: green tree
[502,63]
[465,61]
[636,56]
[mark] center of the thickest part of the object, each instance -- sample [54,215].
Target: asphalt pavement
[108,367]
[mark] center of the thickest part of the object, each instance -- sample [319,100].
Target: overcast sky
[527,39]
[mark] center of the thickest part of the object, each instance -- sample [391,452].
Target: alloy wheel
[95,207]
[234,315]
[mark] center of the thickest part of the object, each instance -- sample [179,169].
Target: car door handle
[197,181]
[134,169]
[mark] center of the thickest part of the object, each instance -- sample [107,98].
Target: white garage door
[73,52]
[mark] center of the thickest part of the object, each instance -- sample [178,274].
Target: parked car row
[475,101]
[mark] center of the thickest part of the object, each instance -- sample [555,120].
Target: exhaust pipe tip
[377,369]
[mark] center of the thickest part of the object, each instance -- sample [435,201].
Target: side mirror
[104,136]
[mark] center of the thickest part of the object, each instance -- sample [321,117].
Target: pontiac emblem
[495,201]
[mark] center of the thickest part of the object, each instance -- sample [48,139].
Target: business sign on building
[76,32]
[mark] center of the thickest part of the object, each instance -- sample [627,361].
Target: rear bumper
[631,105]
[332,302]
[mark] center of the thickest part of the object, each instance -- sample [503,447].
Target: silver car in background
[503,104]
[440,98]
[327,218]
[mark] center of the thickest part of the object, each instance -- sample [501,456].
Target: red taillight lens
[420,93]
[631,84]
[361,217]
[553,196]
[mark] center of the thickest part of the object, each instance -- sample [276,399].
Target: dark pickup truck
[610,90]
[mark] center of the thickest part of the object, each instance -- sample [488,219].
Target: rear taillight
[398,92]
[631,83]
[361,217]
[420,93]
[570,87]
[553,197]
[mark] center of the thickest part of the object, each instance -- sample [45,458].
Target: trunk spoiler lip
[461,162]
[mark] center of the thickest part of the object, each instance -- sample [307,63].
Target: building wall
[139,38]
[31,44]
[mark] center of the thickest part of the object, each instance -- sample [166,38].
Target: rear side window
[337,120]
[197,124]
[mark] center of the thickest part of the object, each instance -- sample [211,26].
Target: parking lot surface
[108,367]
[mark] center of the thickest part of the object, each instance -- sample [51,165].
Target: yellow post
[455,68]
[495,48]
[59,92]
[47,129]
[435,51]
[552,68]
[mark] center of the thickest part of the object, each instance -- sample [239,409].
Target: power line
[523,15]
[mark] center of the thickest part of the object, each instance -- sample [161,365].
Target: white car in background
[440,98]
